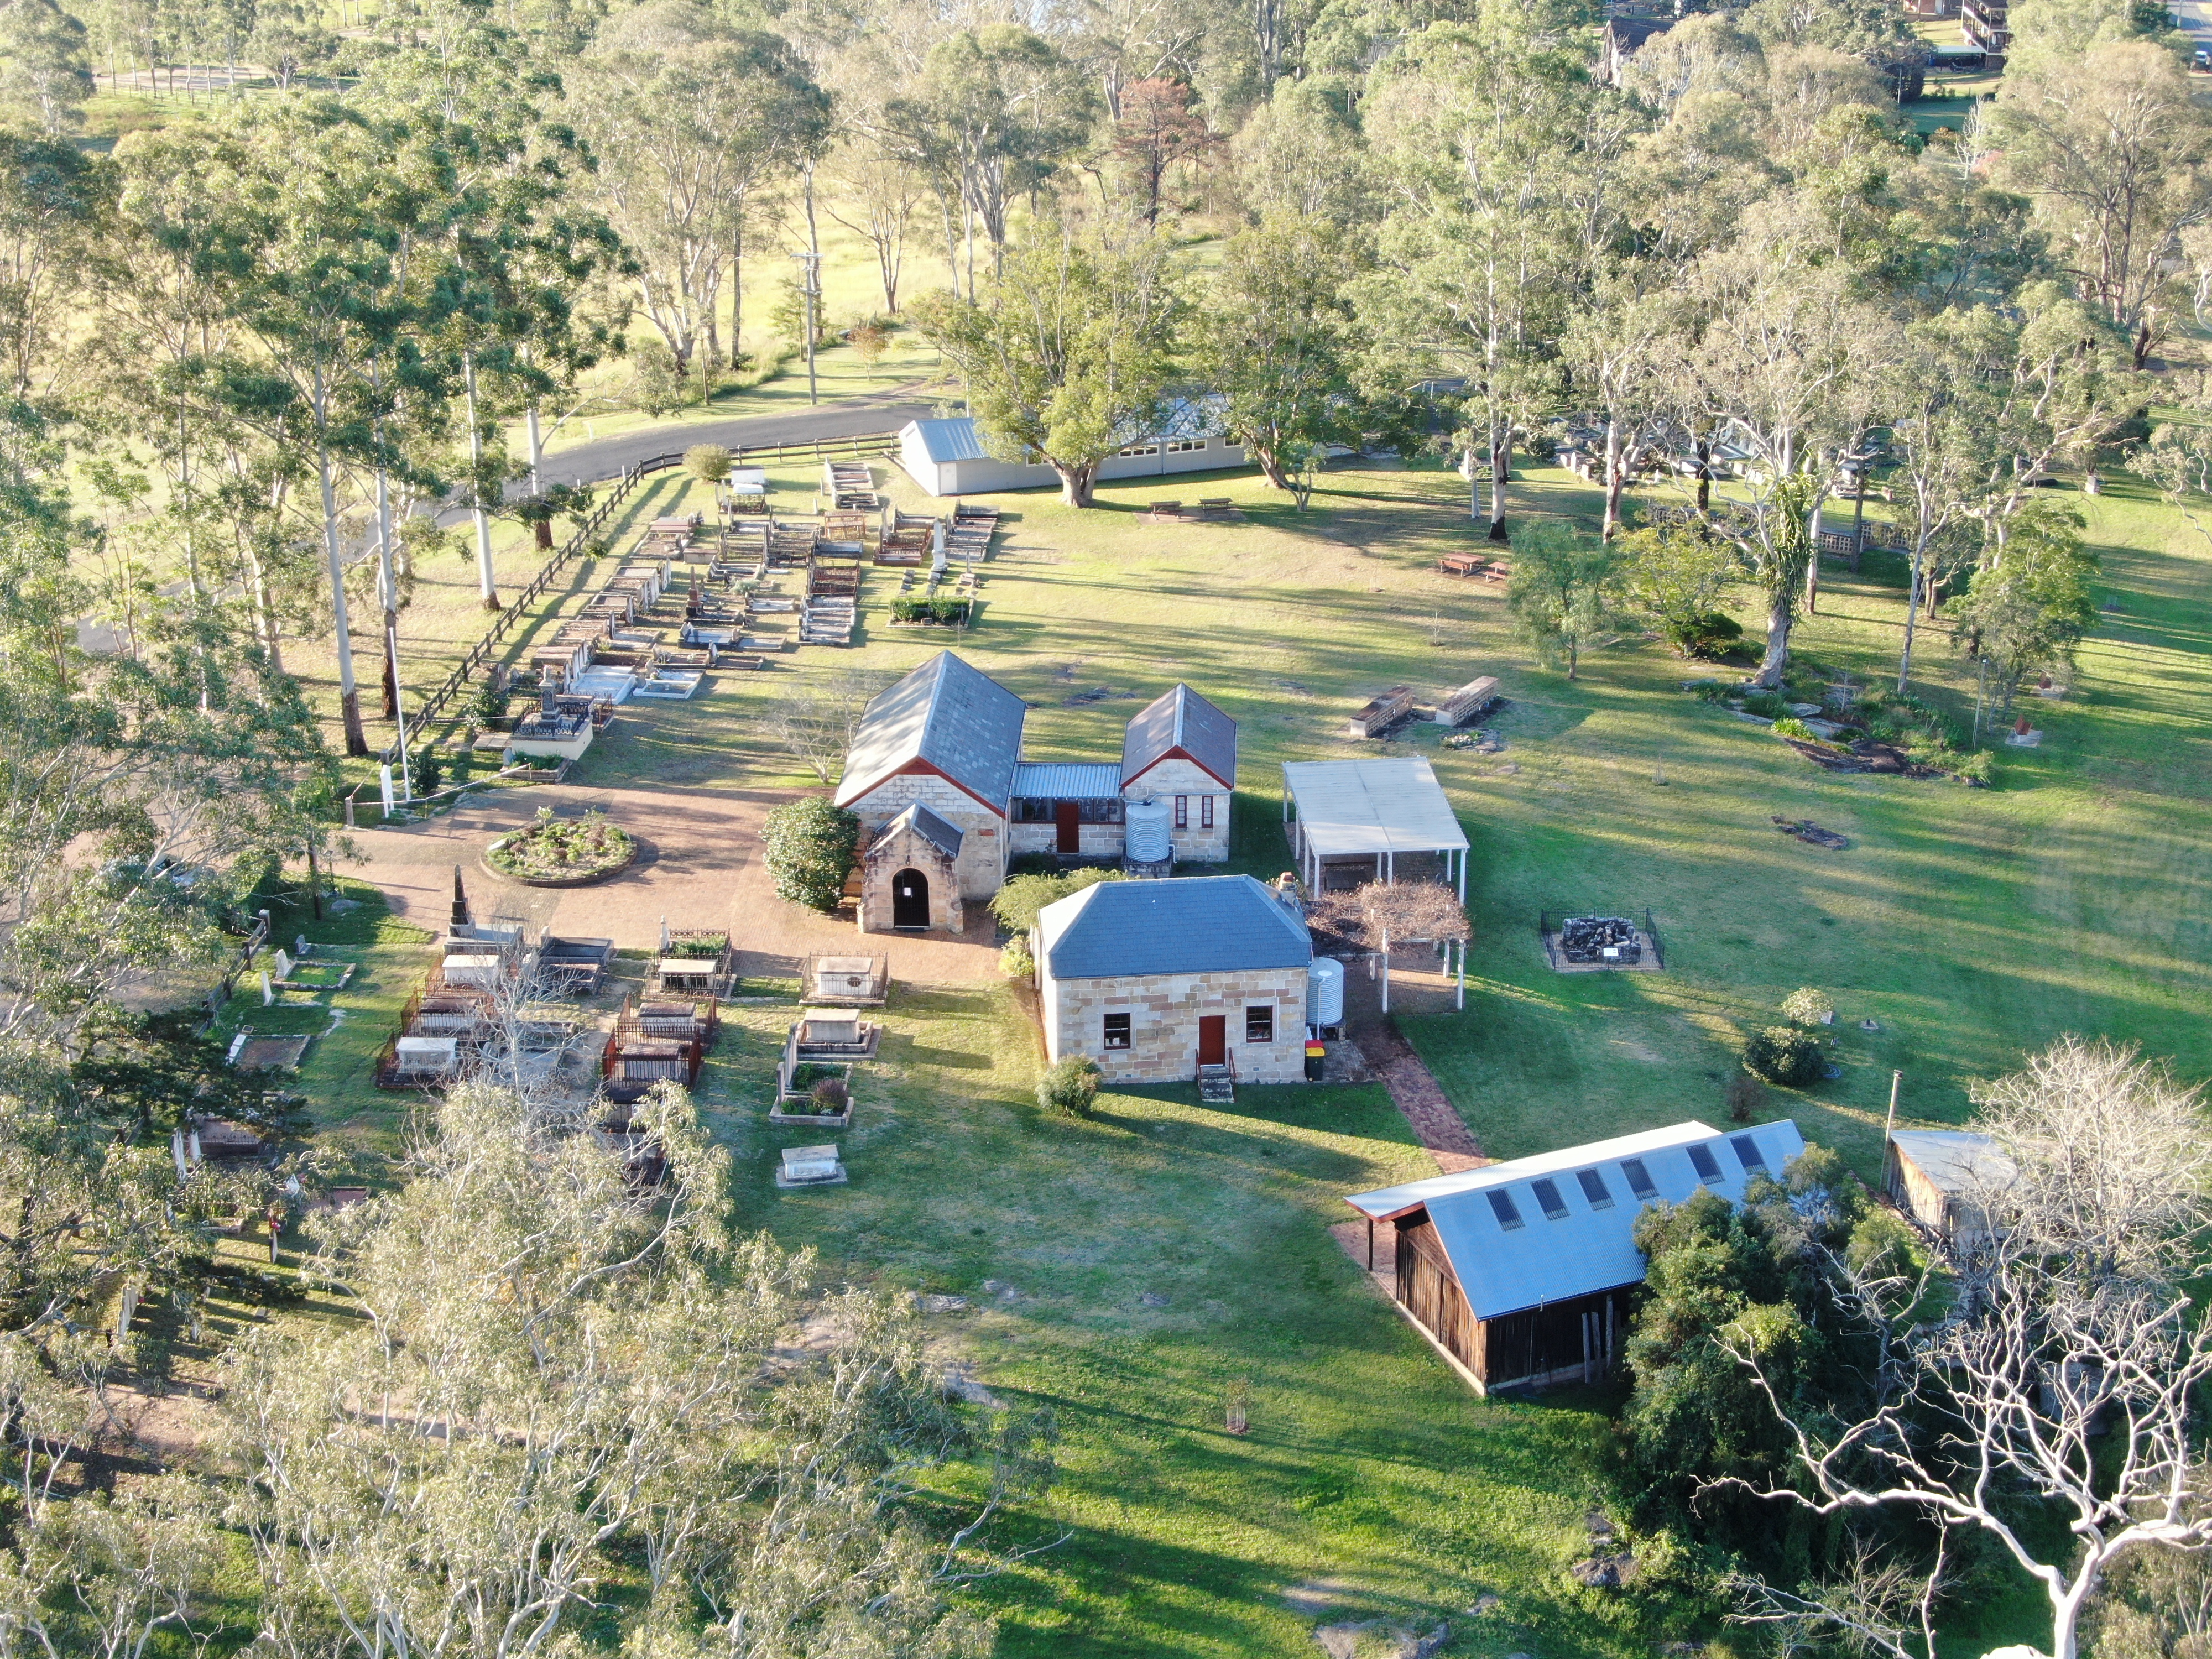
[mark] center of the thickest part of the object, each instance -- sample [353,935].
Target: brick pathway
[1416,1094]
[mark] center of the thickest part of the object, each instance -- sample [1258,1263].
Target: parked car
[2204,60]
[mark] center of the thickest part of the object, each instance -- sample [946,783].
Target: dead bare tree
[2066,1367]
[815,720]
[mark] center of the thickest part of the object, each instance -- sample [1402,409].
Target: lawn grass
[1970,924]
[1367,1462]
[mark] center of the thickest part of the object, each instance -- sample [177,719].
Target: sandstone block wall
[1164,1013]
[1101,841]
[984,832]
[1193,844]
[880,863]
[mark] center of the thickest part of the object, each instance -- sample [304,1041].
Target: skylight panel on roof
[1702,1160]
[1639,1179]
[1547,1195]
[1594,1189]
[1501,1206]
[1747,1153]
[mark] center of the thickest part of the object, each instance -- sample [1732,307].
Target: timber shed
[1943,1178]
[947,457]
[1520,1274]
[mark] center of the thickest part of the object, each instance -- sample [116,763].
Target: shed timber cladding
[1201,924]
[950,719]
[1547,1254]
[1361,808]
[1180,722]
[1067,780]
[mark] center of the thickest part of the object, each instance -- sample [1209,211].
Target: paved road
[604,458]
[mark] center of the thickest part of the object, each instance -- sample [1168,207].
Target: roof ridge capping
[1181,718]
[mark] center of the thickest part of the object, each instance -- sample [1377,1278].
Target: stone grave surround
[899,846]
[1164,1010]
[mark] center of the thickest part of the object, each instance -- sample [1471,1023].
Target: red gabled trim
[919,768]
[1178,753]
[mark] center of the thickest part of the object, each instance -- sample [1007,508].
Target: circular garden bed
[561,852]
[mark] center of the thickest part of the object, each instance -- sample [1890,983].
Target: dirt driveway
[698,865]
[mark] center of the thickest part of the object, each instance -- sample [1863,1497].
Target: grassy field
[1968,924]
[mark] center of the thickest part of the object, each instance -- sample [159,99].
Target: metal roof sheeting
[1201,924]
[1067,780]
[1956,1161]
[1589,1246]
[1181,719]
[1363,807]
[952,439]
[954,717]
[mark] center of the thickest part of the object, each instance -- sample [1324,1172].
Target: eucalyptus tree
[1782,359]
[55,201]
[1479,129]
[45,66]
[2116,155]
[691,121]
[1273,337]
[1068,354]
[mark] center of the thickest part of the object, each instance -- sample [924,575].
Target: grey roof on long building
[1067,780]
[1202,923]
[1956,1161]
[1181,719]
[944,837]
[1582,1239]
[954,439]
[956,718]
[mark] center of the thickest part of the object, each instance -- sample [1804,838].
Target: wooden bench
[1215,507]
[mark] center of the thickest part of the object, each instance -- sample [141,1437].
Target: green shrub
[1808,1006]
[1711,633]
[1980,768]
[1712,692]
[810,847]
[917,607]
[1016,904]
[1745,1097]
[427,773]
[1788,727]
[657,384]
[710,462]
[489,702]
[1768,704]
[830,1096]
[1785,1056]
[1069,1087]
[1015,961]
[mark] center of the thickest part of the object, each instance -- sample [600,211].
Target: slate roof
[1588,1245]
[1202,923]
[1067,780]
[957,718]
[944,837]
[1956,1161]
[1181,719]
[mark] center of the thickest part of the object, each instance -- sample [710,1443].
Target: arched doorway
[909,899]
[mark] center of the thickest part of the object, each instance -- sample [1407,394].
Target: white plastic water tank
[1146,840]
[1325,991]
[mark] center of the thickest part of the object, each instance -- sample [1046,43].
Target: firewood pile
[1407,913]
[1600,939]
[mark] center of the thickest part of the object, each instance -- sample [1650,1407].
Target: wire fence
[1549,920]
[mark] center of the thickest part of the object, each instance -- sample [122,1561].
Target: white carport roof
[1359,808]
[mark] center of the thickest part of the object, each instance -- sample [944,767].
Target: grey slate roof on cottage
[1181,719]
[953,717]
[1562,1225]
[1204,924]
[1067,780]
[944,837]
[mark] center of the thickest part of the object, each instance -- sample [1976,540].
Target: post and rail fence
[856,447]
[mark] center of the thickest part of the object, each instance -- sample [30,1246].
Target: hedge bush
[1017,903]
[1069,1087]
[811,845]
[916,607]
[1711,635]
[1785,1056]
[1015,961]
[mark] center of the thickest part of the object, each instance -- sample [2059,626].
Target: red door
[1213,1039]
[1067,816]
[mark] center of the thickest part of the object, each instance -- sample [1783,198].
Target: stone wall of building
[880,863]
[1101,841]
[983,843]
[1194,843]
[1164,1013]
